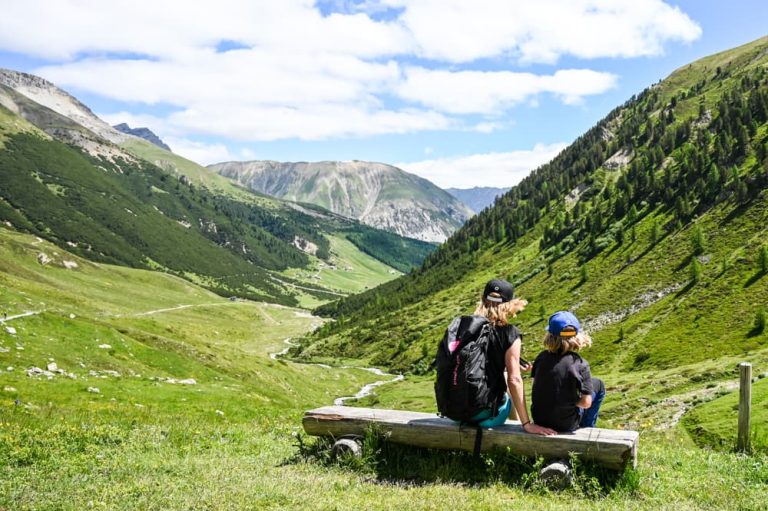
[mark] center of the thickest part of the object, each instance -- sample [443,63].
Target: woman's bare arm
[585,401]
[517,390]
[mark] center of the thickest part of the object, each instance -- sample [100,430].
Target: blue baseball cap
[564,324]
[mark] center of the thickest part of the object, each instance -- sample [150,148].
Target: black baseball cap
[499,291]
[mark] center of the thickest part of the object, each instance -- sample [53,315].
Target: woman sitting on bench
[498,305]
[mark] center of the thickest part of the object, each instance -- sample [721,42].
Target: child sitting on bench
[565,396]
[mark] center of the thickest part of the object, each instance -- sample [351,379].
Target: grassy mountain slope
[132,213]
[651,227]
[402,254]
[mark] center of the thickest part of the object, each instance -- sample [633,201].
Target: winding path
[366,390]
[17,316]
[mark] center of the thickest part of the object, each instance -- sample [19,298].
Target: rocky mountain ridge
[45,93]
[376,194]
[143,132]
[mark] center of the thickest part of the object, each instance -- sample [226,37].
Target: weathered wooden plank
[608,447]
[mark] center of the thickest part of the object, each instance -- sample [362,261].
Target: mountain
[144,133]
[377,194]
[72,179]
[651,226]
[477,198]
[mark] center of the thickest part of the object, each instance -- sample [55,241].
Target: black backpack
[463,387]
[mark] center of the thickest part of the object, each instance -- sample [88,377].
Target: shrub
[762,259]
[641,357]
[697,241]
[760,320]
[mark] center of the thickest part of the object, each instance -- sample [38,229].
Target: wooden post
[745,406]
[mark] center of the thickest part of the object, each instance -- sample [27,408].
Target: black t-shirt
[500,342]
[559,382]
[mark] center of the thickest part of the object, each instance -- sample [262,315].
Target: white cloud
[466,92]
[542,31]
[490,169]
[248,154]
[156,124]
[487,127]
[62,29]
[296,73]
[200,152]
[267,123]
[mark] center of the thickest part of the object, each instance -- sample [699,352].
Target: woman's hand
[525,366]
[535,429]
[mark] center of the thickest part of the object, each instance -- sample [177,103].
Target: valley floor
[150,393]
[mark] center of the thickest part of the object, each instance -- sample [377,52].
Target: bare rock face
[47,94]
[305,245]
[376,194]
[60,115]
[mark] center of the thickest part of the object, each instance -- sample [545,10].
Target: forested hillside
[651,226]
[147,208]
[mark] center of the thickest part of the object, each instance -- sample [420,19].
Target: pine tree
[762,259]
[654,237]
[742,193]
[584,273]
[542,312]
[760,321]
[697,241]
[695,270]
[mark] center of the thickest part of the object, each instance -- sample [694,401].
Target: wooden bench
[615,449]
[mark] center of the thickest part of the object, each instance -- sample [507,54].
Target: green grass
[712,423]
[11,124]
[348,271]
[196,173]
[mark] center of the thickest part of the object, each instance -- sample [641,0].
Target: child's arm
[585,385]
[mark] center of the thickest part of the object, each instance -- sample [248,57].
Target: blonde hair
[499,313]
[558,344]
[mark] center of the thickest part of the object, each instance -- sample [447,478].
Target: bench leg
[557,475]
[347,446]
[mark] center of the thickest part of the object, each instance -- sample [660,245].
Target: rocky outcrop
[60,115]
[145,133]
[47,94]
[377,194]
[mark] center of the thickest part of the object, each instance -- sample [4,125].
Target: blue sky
[464,93]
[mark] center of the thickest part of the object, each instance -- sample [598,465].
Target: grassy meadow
[233,439]
[348,271]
